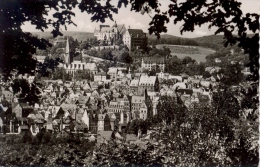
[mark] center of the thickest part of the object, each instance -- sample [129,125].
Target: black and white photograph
[152,83]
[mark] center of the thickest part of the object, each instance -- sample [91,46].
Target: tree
[170,110]
[24,90]
[125,57]
[20,45]
[232,75]
[187,60]
[83,74]
[84,45]
[119,41]
[206,74]
[17,46]
[48,66]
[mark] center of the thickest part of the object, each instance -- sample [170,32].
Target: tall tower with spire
[67,52]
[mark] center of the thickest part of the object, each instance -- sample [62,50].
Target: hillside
[195,52]
[80,36]
[163,36]
[213,41]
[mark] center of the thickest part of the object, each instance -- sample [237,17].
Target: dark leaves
[157,25]
[99,12]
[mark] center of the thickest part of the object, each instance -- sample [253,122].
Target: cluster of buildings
[101,105]
[110,101]
[132,38]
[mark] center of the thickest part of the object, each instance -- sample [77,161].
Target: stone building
[110,34]
[135,39]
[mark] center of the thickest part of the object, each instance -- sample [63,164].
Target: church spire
[67,46]
[67,52]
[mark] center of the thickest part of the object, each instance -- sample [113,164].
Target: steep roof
[154,59]
[121,28]
[102,26]
[106,29]
[107,135]
[91,66]
[138,99]
[134,82]
[147,80]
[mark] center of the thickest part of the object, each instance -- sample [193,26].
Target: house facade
[153,62]
[134,39]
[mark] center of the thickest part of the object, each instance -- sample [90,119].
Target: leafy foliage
[21,45]
[44,149]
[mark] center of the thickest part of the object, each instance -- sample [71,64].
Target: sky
[139,21]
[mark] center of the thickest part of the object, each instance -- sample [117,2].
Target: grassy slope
[200,56]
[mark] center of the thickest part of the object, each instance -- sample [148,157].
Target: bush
[27,137]
[46,138]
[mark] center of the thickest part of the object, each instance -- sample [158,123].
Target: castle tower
[67,53]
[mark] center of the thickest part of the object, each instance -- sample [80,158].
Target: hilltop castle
[110,34]
[132,38]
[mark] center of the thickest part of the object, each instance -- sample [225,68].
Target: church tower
[67,53]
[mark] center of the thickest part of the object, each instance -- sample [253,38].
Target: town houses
[90,106]
[108,101]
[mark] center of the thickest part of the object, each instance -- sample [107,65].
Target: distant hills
[80,36]
[211,41]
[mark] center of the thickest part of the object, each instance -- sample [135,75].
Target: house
[153,62]
[7,94]
[54,110]
[104,136]
[149,83]
[143,111]
[82,101]
[93,122]
[102,76]
[23,128]
[22,110]
[135,39]
[112,72]
[115,106]
[104,122]
[86,86]
[101,122]
[136,103]
[92,67]
[134,86]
